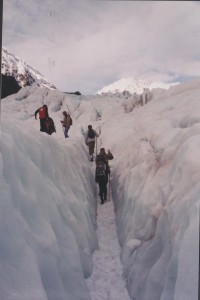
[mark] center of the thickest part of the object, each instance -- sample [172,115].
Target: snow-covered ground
[107,281]
[49,228]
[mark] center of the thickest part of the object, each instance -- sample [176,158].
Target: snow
[133,85]
[106,280]
[53,246]
[22,72]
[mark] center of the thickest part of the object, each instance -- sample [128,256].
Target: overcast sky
[84,45]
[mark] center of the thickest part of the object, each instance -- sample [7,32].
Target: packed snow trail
[106,281]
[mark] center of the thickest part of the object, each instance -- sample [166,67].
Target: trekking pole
[96,147]
[109,187]
[96,196]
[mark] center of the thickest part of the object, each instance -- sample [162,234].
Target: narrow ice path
[106,282]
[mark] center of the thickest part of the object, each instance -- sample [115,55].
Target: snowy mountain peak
[133,86]
[24,74]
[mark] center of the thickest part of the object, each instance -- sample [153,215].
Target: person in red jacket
[43,114]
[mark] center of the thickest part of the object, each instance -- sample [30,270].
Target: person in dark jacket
[90,136]
[66,123]
[101,177]
[102,172]
[103,155]
[43,114]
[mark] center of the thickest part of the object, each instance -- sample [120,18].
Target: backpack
[50,126]
[91,134]
[101,169]
[42,113]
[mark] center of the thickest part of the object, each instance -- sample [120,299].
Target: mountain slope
[20,73]
[133,86]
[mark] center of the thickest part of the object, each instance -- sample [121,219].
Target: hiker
[49,125]
[90,140]
[66,123]
[103,155]
[43,113]
[102,172]
[101,177]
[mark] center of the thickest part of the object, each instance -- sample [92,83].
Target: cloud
[84,44]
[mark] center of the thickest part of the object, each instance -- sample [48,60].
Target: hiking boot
[102,201]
